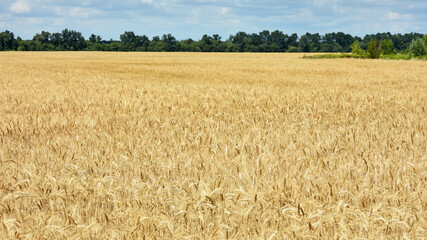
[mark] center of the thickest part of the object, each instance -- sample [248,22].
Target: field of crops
[199,146]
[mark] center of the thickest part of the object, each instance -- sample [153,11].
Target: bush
[417,48]
[331,56]
[292,49]
[355,48]
[387,47]
[374,48]
[398,56]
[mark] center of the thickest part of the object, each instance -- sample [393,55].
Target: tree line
[265,41]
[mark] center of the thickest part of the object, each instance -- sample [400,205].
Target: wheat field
[211,146]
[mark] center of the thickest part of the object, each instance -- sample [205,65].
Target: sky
[193,18]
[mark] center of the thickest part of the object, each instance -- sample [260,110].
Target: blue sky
[193,18]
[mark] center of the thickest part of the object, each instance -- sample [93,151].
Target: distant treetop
[264,41]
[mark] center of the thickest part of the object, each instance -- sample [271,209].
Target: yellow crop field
[211,146]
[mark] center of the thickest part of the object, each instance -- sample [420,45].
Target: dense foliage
[355,48]
[265,41]
[387,47]
[374,48]
[417,48]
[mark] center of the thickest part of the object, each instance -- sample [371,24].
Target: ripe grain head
[191,145]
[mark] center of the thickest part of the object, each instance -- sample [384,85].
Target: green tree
[43,37]
[189,45]
[292,40]
[73,40]
[205,44]
[92,38]
[292,49]
[280,41]
[95,44]
[169,42]
[330,44]
[230,46]
[42,42]
[374,48]
[425,40]
[265,36]
[314,40]
[216,37]
[128,40]
[240,40]
[132,42]
[24,45]
[304,45]
[142,43]
[356,49]
[156,45]
[387,47]
[7,41]
[115,46]
[209,44]
[344,40]
[56,40]
[417,48]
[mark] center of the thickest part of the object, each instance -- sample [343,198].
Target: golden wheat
[199,146]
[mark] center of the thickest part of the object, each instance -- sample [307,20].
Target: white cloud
[234,21]
[397,16]
[340,9]
[304,15]
[224,10]
[393,16]
[320,3]
[156,4]
[30,21]
[58,10]
[193,18]
[162,4]
[83,12]
[59,22]
[20,7]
